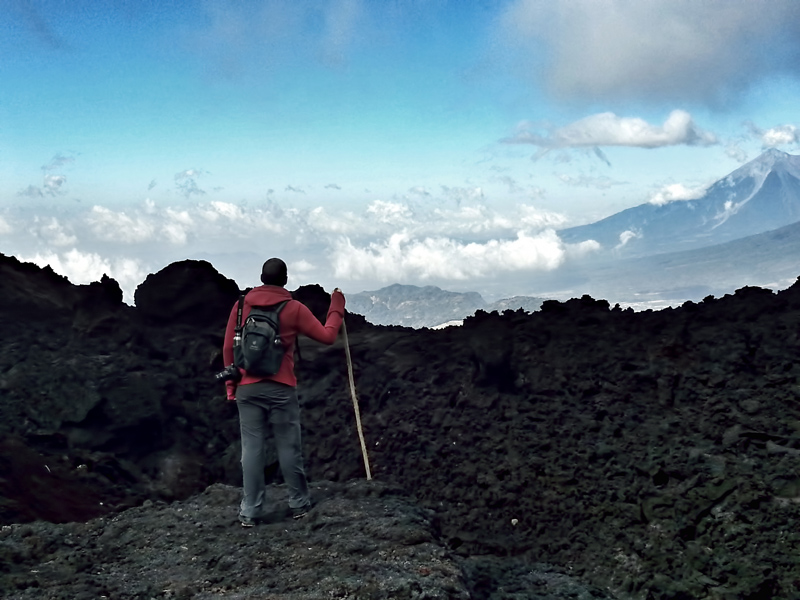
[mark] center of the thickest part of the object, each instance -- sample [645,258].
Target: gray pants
[276,403]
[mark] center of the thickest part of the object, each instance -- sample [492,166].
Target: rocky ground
[650,455]
[361,540]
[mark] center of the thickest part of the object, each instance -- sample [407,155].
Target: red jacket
[294,318]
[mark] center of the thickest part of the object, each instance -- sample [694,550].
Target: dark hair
[274,272]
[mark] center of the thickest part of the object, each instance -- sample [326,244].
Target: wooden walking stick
[355,400]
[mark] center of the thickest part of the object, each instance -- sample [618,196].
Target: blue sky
[367,143]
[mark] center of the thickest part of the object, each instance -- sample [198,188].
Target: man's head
[274,272]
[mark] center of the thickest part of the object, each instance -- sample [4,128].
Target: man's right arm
[308,325]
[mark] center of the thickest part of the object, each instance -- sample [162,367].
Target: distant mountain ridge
[428,306]
[769,260]
[760,196]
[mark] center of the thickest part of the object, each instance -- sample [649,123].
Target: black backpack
[257,345]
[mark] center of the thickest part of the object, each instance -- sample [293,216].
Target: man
[273,399]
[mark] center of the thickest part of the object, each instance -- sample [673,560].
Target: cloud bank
[382,242]
[404,258]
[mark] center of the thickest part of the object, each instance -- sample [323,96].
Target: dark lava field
[581,451]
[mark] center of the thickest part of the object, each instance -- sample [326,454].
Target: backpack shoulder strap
[239,312]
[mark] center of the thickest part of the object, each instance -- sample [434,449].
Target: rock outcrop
[190,292]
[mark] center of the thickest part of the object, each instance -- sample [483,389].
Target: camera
[229,373]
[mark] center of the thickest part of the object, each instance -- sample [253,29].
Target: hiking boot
[247,521]
[300,512]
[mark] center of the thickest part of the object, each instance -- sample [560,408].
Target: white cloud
[242,221]
[729,208]
[272,220]
[736,152]
[340,223]
[226,210]
[177,226]
[54,232]
[179,216]
[403,257]
[214,221]
[781,135]
[5,227]
[674,192]
[654,49]
[582,249]
[627,236]
[301,266]
[175,233]
[118,226]
[389,212]
[300,272]
[188,174]
[607,129]
[52,184]
[475,219]
[463,194]
[538,219]
[186,182]
[129,273]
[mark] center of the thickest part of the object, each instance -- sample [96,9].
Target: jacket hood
[265,295]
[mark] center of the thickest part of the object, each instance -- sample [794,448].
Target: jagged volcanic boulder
[99,312]
[191,292]
[27,288]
